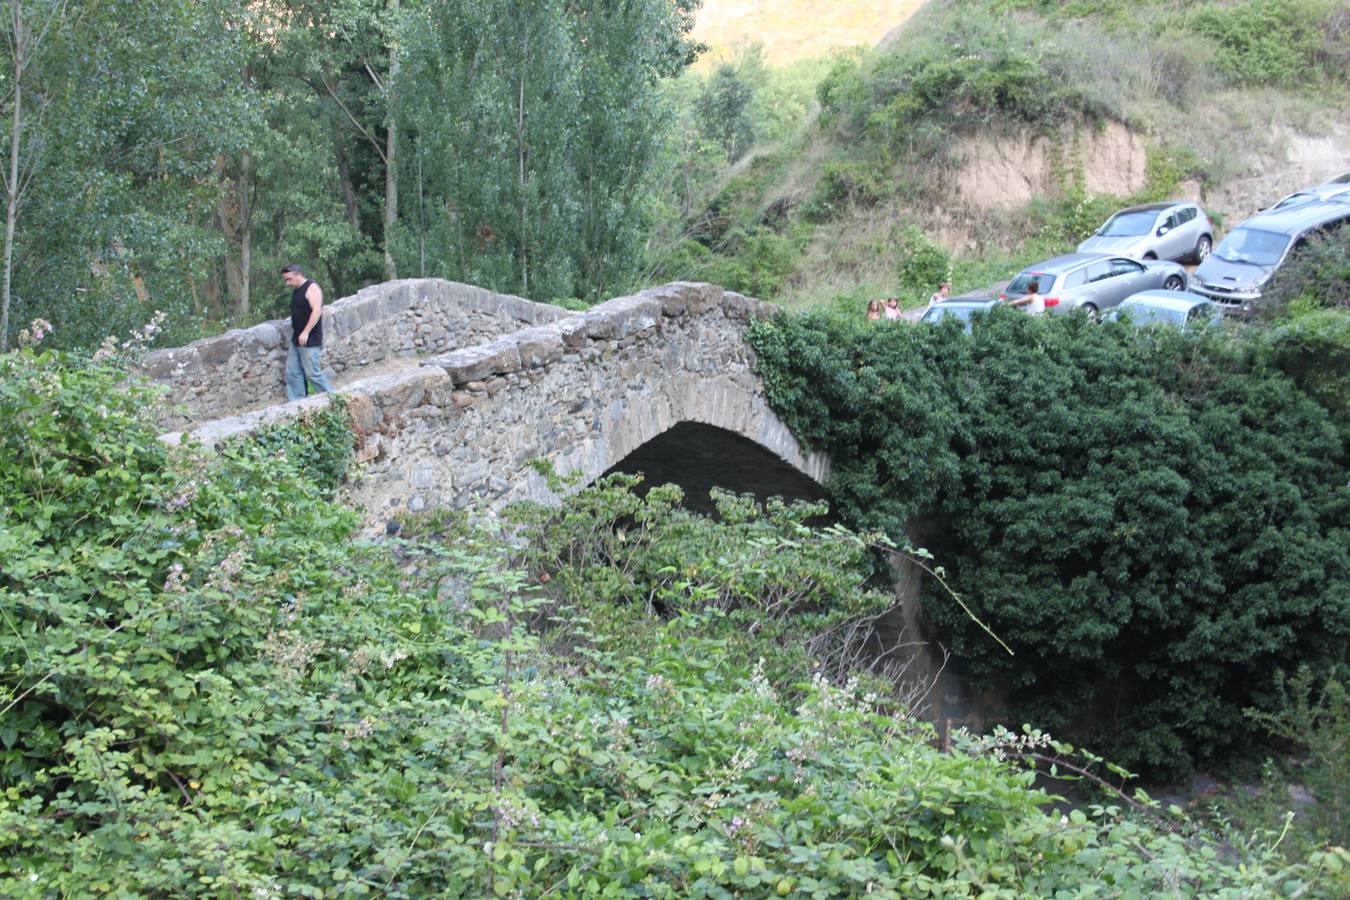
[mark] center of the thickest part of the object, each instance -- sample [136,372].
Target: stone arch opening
[699,457]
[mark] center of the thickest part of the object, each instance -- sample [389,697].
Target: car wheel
[1090,310]
[1150,255]
[1173,283]
[1202,248]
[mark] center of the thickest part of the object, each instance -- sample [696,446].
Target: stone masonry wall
[244,368]
[583,392]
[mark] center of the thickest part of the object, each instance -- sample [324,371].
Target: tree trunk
[390,161]
[421,217]
[12,208]
[348,192]
[244,305]
[229,229]
[520,159]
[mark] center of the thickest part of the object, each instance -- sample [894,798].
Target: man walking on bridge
[302,361]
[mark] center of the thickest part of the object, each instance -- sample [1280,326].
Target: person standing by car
[1032,300]
[302,360]
[940,294]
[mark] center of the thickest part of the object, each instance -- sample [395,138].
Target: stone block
[622,316]
[365,412]
[467,364]
[539,346]
[219,350]
[162,364]
[745,309]
[689,297]
[573,331]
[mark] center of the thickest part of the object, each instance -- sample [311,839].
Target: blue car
[960,308]
[1176,308]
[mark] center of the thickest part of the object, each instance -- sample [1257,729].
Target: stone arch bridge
[455,390]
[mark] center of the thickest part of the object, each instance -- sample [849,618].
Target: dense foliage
[1317,275]
[174,155]
[210,684]
[1155,522]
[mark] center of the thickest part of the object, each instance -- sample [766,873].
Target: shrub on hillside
[1155,522]
[1264,41]
[920,264]
[755,261]
[966,71]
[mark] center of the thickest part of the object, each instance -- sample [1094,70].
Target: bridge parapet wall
[582,392]
[244,368]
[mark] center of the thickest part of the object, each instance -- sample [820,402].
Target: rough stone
[475,363]
[583,389]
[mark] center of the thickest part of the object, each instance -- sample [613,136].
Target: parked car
[1171,230]
[1245,260]
[962,308]
[1179,308]
[1093,281]
[1328,191]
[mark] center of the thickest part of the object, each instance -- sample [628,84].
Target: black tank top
[300,316]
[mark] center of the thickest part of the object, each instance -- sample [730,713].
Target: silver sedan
[1093,282]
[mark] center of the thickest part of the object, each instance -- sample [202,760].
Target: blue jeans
[302,365]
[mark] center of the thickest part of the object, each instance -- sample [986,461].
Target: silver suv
[1093,281]
[1171,230]
[1251,253]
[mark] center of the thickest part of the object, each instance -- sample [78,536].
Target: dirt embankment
[991,176]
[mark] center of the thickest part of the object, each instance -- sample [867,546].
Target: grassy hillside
[789,30]
[987,133]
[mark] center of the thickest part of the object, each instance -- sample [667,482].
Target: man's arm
[315,297]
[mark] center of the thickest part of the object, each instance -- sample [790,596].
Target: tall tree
[26,32]
[539,122]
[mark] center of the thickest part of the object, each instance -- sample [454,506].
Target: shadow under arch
[699,457]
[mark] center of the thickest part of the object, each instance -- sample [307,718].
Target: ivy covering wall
[1155,522]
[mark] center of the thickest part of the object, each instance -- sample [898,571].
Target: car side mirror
[1163,229]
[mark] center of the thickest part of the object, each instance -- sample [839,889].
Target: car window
[1169,223]
[1187,215]
[1128,224]
[1199,313]
[1143,313]
[1099,270]
[1253,247]
[1021,284]
[1076,278]
[962,313]
[1125,267]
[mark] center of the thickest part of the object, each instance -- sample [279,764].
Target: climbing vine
[1155,522]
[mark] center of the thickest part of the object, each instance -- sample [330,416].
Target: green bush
[1316,275]
[920,264]
[755,261]
[1313,348]
[1154,522]
[1264,41]
[209,686]
[967,71]
[1311,722]
[843,185]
